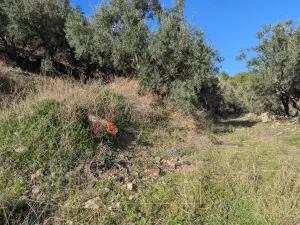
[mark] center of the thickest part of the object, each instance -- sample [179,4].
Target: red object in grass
[112,128]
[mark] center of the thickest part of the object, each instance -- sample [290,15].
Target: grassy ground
[55,171]
[252,175]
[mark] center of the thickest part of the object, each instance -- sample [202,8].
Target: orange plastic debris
[112,128]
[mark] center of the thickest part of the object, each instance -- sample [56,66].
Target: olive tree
[178,65]
[277,63]
[115,36]
[33,30]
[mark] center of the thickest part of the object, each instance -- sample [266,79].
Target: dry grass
[249,176]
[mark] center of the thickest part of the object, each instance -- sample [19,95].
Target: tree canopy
[277,65]
[33,30]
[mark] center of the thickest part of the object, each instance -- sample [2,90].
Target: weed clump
[47,140]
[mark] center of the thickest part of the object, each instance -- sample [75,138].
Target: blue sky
[230,25]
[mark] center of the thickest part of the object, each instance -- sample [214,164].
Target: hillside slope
[63,163]
[89,153]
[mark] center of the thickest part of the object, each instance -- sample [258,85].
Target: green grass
[295,140]
[240,172]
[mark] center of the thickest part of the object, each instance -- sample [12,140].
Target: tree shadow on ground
[238,123]
[228,126]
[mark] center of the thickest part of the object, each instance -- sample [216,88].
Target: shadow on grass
[225,127]
[238,123]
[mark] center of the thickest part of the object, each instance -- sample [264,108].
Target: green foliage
[295,140]
[116,35]
[46,139]
[178,63]
[277,65]
[47,67]
[34,30]
[171,60]
[239,95]
[113,107]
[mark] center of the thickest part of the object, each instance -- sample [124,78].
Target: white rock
[93,204]
[130,186]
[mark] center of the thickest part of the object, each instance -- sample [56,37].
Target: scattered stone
[170,163]
[20,148]
[265,118]
[93,204]
[110,208]
[130,186]
[153,172]
[118,205]
[175,163]
[106,190]
[131,197]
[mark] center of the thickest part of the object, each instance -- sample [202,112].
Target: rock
[93,204]
[110,208]
[20,148]
[130,186]
[153,172]
[171,164]
[265,118]
[131,197]
[106,190]
[118,205]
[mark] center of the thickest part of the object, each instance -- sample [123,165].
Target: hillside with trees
[124,116]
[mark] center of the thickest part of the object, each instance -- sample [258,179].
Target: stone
[130,186]
[20,148]
[93,204]
[118,205]
[265,118]
[110,208]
